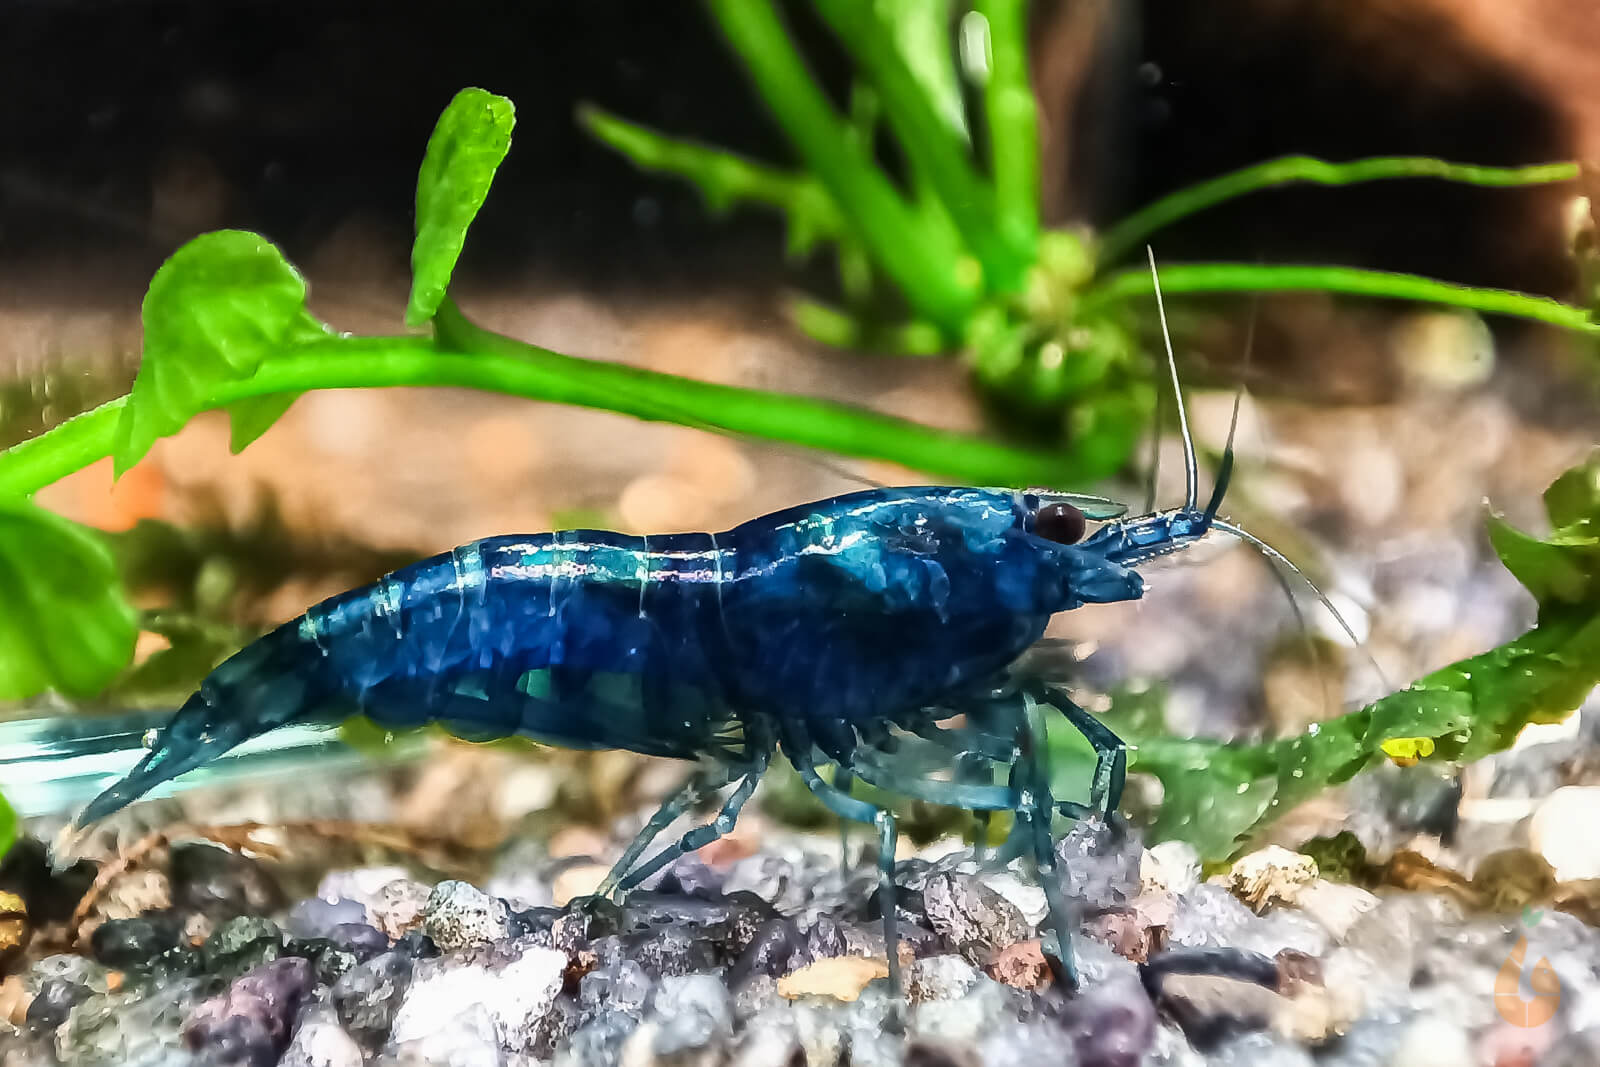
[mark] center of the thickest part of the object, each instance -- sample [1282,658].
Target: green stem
[61,450]
[930,269]
[476,359]
[1132,231]
[1249,277]
[929,143]
[1013,121]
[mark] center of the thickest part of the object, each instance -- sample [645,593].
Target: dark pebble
[731,922]
[825,940]
[221,884]
[673,950]
[922,1054]
[1110,1025]
[776,950]
[1098,862]
[50,1005]
[242,944]
[417,945]
[250,1023]
[555,1027]
[367,997]
[691,877]
[132,944]
[329,961]
[50,896]
[534,922]
[360,940]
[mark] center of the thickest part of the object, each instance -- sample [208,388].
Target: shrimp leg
[1111,752]
[701,836]
[700,784]
[798,745]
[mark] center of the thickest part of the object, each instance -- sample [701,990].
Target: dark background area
[129,125]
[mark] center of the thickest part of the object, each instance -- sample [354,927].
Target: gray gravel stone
[320,1041]
[517,994]
[975,919]
[460,915]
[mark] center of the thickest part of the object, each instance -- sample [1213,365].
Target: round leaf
[66,625]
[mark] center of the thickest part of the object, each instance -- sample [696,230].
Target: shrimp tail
[269,684]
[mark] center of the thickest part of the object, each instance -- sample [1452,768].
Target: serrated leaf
[468,144]
[220,305]
[249,419]
[66,625]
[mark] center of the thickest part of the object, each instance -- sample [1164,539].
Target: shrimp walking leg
[843,778]
[701,784]
[1035,775]
[700,836]
[1111,753]
[797,745]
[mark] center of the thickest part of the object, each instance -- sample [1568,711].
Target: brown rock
[1021,966]
[1126,932]
[1513,879]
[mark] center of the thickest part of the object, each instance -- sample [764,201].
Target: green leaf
[221,304]
[66,625]
[8,827]
[1217,795]
[468,144]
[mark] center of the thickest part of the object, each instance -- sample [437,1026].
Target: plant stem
[724,178]
[59,451]
[1132,231]
[468,357]
[1249,277]
[1013,121]
[929,143]
[926,265]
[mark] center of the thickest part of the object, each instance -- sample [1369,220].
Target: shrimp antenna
[1225,469]
[1191,469]
[1283,561]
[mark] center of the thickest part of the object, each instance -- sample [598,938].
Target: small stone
[1412,870]
[1208,916]
[517,995]
[1339,858]
[1335,905]
[318,918]
[825,938]
[359,939]
[941,977]
[621,986]
[1125,932]
[369,994]
[319,1041]
[927,1054]
[692,1012]
[961,1020]
[53,1002]
[974,919]
[141,1026]
[1272,875]
[220,883]
[673,950]
[14,929]
[1020,966]
[466,1037]
[1513,879]
[1559,832]
[133,943]
[459,915]
[397,906]
[841,977]
[578,880]
[1022,1044]
[777,949]
[1110,1025]
[598,1042]
[241,944]
[1172,866]
[250,1022]
[361,884]
[1099,862]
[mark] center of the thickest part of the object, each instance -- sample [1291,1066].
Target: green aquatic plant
[1218,794]
[947,253]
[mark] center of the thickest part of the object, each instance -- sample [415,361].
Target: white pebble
[1562,831]
[1173,866]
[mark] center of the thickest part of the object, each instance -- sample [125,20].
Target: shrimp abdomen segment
[582,639]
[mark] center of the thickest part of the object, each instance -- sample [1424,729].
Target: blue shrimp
[840,633]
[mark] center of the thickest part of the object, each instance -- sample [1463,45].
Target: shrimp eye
[1061,523]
